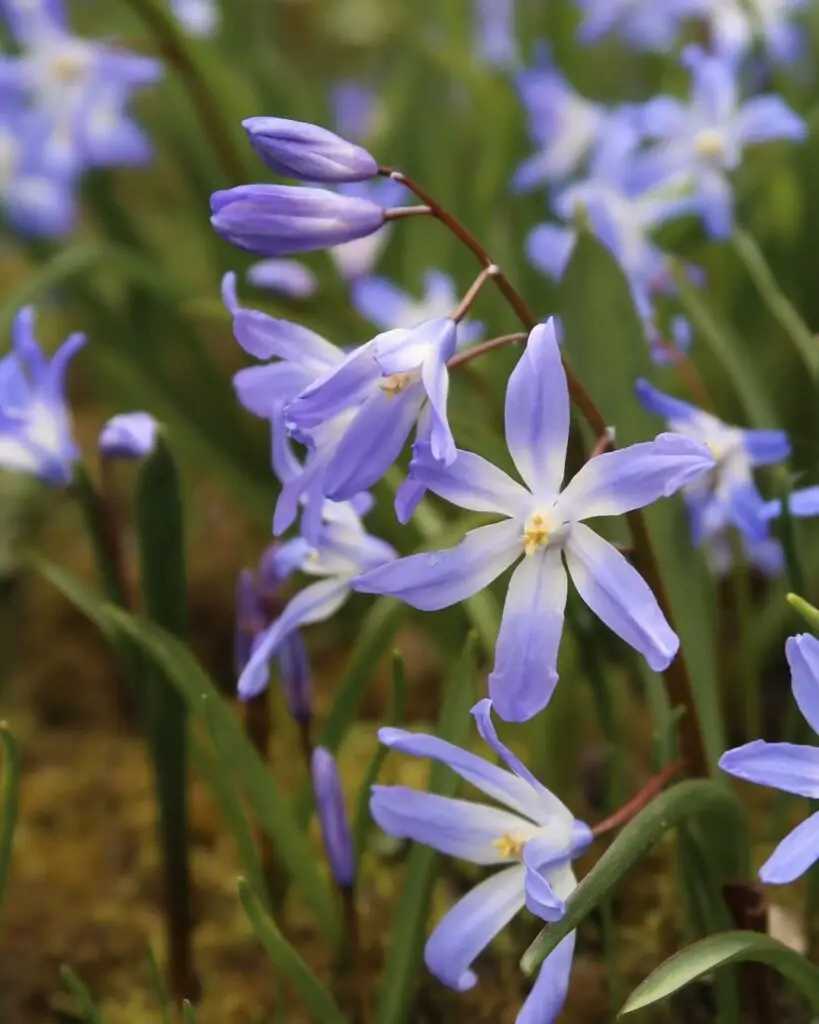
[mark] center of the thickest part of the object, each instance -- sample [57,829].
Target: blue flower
[335,825]
[128,435]
[735,25]
[728,496]
[288,277]
[356,258]
[35,432]
[298,149]
[533,839]
[388,306]
[197,17]
[803,504]
[357,110]
[495,32]
[377,392]
[543,525]
[788,766]
[668,349]
[344,550]
[700,143]
[645,24]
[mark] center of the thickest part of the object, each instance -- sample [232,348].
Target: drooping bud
[335,828]
[281,220]
[129,435]
[294,667]
[297,149]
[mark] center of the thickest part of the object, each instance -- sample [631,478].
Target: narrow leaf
[88,1008]
[806,610]
[158,987]
[718,951]
[9,802]
[318,1000]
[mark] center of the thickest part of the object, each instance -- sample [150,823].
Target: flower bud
[296,149]
[335,828]
[130,435]
[280,220]
[294,669]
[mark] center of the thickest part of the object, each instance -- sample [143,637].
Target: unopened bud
[335,828]
[129,435]
[297,149]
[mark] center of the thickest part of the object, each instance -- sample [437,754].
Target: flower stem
[642,799]
[461,358]
[468,300]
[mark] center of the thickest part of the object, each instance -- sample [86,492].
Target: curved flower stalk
[700,143]
[532,838]
[543,525]
[790,767]
[35,429]
[343,551]
[388,306]
[728,496]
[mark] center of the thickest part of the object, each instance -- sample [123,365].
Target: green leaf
[235,749]
[395,1000]
[159,988]
[593,332]
[9,802]
[699,796]
[88,1008]
[321,1004]
[718,951]
[806,610]
[188,1012]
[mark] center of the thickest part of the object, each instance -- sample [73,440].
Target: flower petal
[263,390]
[471,925]
[790,767]
[537,413]
[438,579]
[344,386]
[382,302]
[798,851]
[525,673]
[541,898]
[471,482]
[763,118]
[618,595]
[545,1001]
[766,446]
[802,503]
[617,482]
[266,337]
[458,828]
[672,409]
[313,604]
[511,790]
[802,652]
[435,378]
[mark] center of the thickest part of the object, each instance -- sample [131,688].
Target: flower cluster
[63,109]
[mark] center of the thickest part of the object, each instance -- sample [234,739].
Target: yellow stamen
[536,534]
[395,383]
[510,847]
[709,144]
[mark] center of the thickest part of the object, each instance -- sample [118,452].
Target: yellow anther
[536,534]
[709,144]
[510,847]
[395,383]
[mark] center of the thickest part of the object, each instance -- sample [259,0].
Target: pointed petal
[766,446]
[344,386]
[802,503]
[787,766]
[435,378]
[541,897]
[548,807]
[473,483]
[458,828]
[764,118]
[382,302]
[802,652]
[511,790]
[438,579]
[537,413]
[797,852]
[471,925]
[263,390]
[617,482]
[672,409]
[546,999]
[525,673]
[313,604]
[549,247]
[618,595]
[266,337]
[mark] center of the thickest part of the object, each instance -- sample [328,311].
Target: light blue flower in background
[735,25]
[356,258]
[496,38]
[802,503]
[644,24]
[701,142]
[388,306]
[198,17]
[128,435]
[35,429]
[728,496]
[288,277]
[357,110]
[790,767]
[533,838]
[542,525]
[343,551]
[563,125]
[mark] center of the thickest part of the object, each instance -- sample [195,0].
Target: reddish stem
[628,811]
[461,358]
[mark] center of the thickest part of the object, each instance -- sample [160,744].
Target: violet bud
[129,435]
[296,149]
[294,670]
[249,622]
[335,828]
[280,220]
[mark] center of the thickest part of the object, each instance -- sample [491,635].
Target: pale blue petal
[435,378]
[438,579]
[457,828]
[764,118]
[672,409]
[473,483]
[541,853]
[661,116]
[511,790]
[802,652]
[545,1001]
[618,595]
[541,899]
[289,277]
[471,925]
[549,247]
[766,446]
[745,508]
[525,673]
[345,386]
[797,852]
[313,604]
[372,442]
[265,337]
[716,203]
[381,301]
[802,503]
[786,766]
[537,413]
[263,390]
[547,807]
[617,482]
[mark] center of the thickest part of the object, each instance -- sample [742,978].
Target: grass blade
[88,1008]
[9,802]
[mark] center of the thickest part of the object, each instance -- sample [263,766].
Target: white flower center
[538,531]
[510,847]
[395,383]
[710,144]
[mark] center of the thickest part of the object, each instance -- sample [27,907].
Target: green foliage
[9,802]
